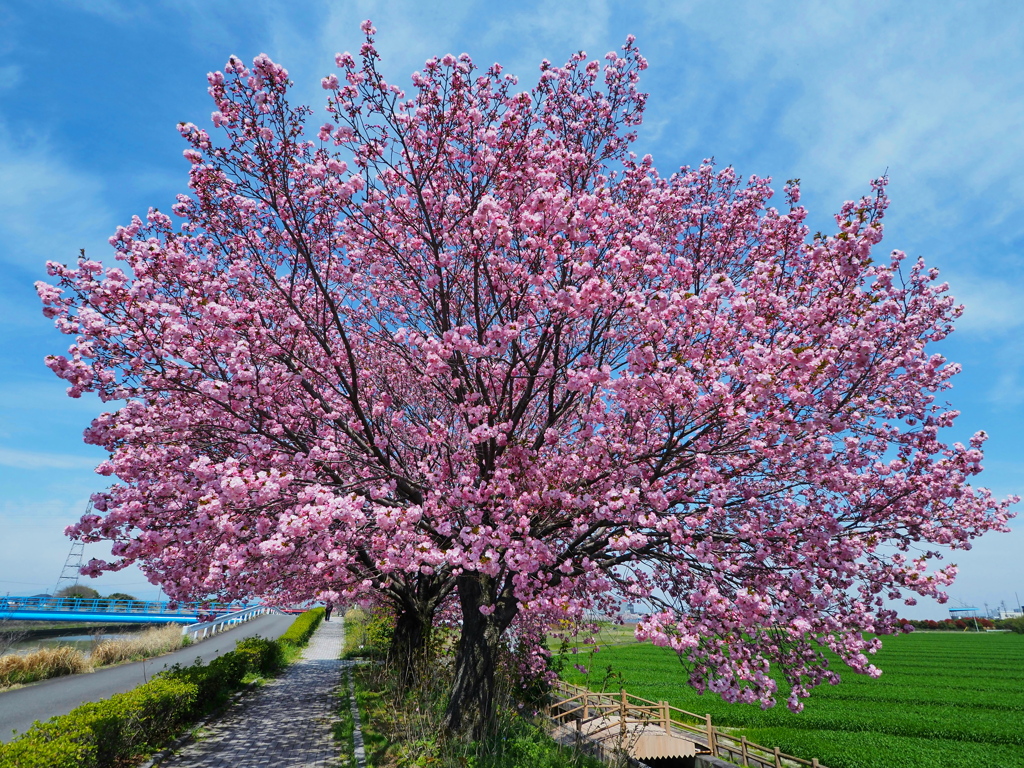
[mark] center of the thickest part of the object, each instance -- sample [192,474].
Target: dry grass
[17,669]
[41,665]
[152,642]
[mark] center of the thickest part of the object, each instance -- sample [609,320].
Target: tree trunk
[470,711]
[407,655]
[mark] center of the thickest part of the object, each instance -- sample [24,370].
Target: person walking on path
[328,607]
[285,724]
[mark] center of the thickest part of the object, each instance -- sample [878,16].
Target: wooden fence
[574,703]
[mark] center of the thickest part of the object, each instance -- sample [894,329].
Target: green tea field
[944,699]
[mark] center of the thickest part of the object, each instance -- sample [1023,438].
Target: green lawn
[944,699]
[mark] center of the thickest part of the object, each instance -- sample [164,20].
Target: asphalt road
[58,696]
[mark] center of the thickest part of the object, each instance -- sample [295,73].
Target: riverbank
[28,636]
[66,658]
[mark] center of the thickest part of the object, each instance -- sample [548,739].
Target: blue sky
[833,93]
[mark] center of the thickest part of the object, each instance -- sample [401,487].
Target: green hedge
[303,627]
[263,656]
[111,732]
[107,732]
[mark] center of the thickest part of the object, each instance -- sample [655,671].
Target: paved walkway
[284,724]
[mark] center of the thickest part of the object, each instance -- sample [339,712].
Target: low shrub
[1014,625]
[971,624]
[265,657]
[41,665]
[78,590]
[108,732]
[214,682]
[302,628]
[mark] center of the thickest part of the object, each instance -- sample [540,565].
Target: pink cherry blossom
[467,353]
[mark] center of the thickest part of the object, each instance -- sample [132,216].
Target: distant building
[628,611]
[1002,613]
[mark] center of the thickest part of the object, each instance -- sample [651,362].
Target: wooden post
[743,750]
[622,715]
[666,718]
[586,706]
[711,737]
[778,758]
[815,763]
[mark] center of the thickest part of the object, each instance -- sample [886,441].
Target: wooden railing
[575,703]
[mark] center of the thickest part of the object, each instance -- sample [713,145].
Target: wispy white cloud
[43,512]
[858,87]
[409,32]
[992,306]
[1007,390]
[41,390]
[116,11]
[48,208]
[22,459]
[550,31]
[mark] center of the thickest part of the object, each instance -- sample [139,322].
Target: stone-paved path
[284,724]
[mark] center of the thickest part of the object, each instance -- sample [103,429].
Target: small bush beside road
[106,733]
[302,628]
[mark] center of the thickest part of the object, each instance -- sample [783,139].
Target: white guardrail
[226,621]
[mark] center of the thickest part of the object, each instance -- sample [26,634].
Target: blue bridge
[43,608]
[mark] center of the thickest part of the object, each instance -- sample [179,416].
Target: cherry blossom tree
[465,345]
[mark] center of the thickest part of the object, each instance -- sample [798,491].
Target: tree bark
[407,655]
[470,711]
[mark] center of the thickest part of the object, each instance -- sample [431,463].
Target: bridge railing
[107,605]
[208,628]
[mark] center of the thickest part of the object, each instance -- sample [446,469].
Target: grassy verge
[344,727]
[367,635]
[402,729]
[20,669]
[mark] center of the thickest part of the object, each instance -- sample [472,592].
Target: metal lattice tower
[73,565]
